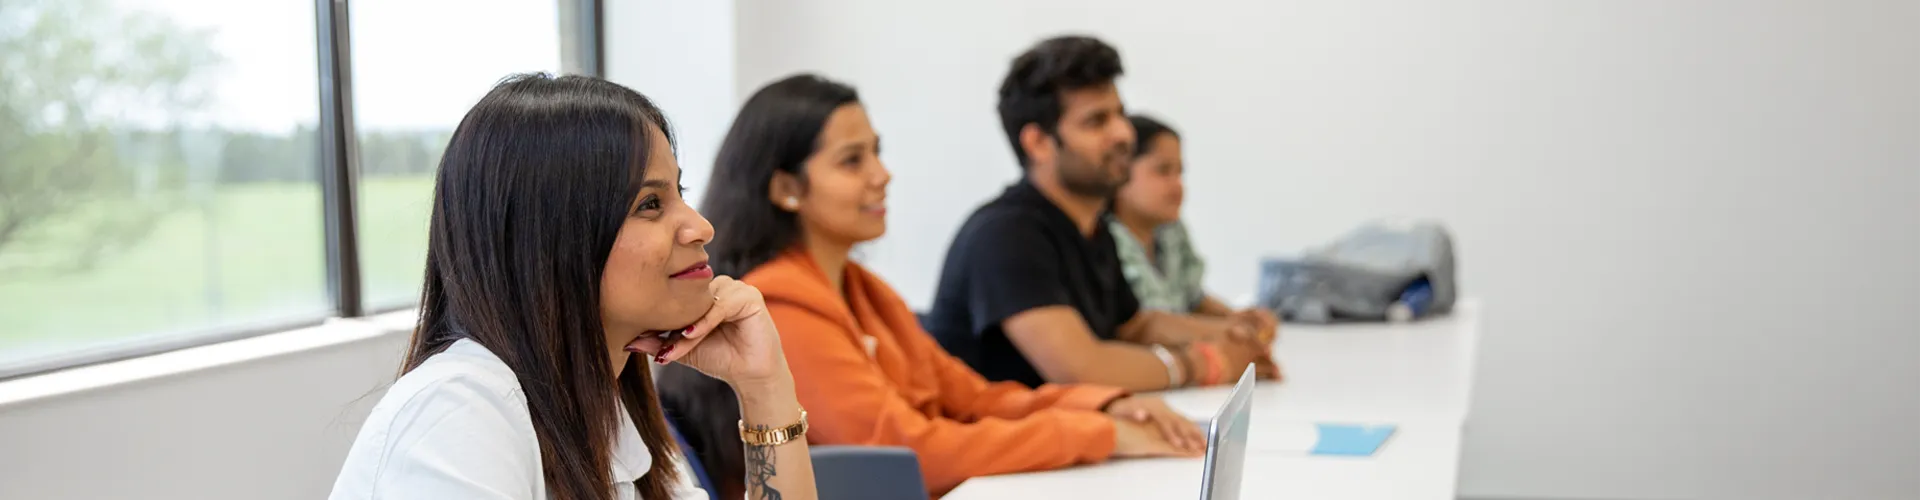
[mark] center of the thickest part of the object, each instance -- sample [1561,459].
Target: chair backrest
[867,472]
[693,462]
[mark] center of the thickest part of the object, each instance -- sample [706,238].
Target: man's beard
[1084,177]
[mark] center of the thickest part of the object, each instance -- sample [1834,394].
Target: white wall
[1695,224]
[680,54]
[268,417]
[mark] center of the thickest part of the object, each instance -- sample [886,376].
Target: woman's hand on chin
[735,341]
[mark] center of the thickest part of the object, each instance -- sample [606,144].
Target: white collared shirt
[458,427]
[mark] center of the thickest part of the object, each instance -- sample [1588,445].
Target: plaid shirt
[1169,283]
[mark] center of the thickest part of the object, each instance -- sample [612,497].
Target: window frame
[338,161]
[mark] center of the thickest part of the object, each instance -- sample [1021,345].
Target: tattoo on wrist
[760,470]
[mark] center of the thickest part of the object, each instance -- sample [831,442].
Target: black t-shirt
[1016,253]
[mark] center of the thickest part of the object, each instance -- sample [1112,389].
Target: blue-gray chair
[693,462]
[875,472]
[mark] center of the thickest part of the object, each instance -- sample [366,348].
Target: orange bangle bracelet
[1212,355]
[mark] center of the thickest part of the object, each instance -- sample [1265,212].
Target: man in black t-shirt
[1032,289]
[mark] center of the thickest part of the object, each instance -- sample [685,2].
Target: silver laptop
[1227,442]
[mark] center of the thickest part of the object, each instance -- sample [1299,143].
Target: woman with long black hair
[1156,255]
[797,184]
[560,256]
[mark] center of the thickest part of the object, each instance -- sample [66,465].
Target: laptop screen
[1227,442]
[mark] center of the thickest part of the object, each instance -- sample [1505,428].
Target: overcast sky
[414,65]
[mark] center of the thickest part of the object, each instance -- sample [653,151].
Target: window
[157,172]
[411,88]
[161,161]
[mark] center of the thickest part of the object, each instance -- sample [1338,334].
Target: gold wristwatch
[774,437]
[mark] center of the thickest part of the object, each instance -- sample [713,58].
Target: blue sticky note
[1351,440]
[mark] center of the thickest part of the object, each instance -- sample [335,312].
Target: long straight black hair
[530,196]
[776,130]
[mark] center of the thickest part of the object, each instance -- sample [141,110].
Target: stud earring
[793,203]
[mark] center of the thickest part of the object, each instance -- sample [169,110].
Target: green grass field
[257,255]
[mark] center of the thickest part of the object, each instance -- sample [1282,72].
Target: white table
[1418,376]
[1418,463]
[1363,373]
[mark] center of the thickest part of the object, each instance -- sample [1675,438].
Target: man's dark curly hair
[1031,92]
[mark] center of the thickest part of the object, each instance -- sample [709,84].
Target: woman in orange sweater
[798,182]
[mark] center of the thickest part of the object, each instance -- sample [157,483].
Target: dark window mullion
[339,157]
[592,31]
[581,52]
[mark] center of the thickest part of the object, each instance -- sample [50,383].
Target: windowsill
[333,332]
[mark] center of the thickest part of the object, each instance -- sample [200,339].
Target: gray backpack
[1381,271]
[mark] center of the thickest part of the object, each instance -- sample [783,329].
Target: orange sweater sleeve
[850,402]
[968,396]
